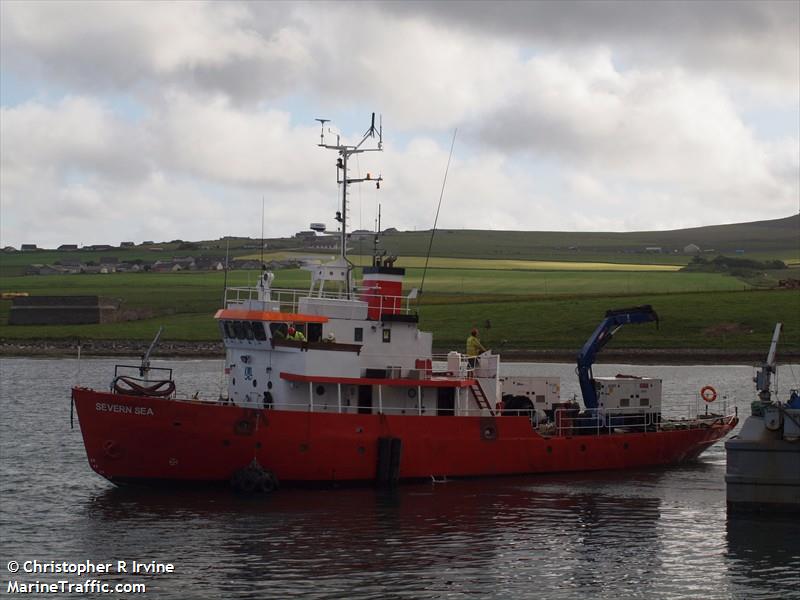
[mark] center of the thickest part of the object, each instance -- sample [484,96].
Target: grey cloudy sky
[162,120]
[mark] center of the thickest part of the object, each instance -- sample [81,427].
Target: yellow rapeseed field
[480,263]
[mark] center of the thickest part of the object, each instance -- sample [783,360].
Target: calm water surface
[660,533]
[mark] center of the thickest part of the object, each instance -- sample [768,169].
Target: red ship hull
[131,439]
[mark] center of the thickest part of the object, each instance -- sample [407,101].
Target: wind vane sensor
[322,129]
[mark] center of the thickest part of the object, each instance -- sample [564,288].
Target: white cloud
[579,115]
[420,75]
[755,44]
[658,128]
[78,134]
[214,141]
[124,46]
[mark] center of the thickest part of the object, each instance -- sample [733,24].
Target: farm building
[209,263]
[166,266]
[60,310]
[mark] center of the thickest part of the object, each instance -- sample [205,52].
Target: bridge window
[279,331]
[314,332]
[248,329]
[238,329]
[229,331]
[258,331]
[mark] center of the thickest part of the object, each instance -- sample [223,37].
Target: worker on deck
[474,348]
[295,335]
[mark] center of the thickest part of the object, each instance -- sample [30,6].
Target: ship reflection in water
[661,533]
[760,551]
[605,534]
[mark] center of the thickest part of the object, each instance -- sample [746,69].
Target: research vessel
[359,395]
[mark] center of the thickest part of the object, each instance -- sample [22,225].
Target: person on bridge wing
[474,348]
[295,335]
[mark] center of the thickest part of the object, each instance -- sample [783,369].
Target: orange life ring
[708,393]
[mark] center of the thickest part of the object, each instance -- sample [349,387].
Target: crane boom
[601,336]
[763,378]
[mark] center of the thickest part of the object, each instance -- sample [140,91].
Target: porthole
[320,390]
[255,382]
[412,393]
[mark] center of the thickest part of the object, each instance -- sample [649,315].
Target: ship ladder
[480,398]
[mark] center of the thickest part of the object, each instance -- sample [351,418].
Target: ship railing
[383,304]
[288,299]
[687,411]
[534,416]
[460,365]
[142,372]
[568,421]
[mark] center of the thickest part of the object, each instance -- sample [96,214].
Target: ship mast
[345,152]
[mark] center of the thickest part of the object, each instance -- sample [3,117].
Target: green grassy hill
[540,290]
[762,240]
[778,238]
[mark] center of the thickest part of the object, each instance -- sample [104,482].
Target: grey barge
[763,464]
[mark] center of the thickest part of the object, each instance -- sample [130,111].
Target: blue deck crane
[601,336]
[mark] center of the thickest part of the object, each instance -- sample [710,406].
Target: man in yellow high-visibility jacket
[474,348]
[296,335]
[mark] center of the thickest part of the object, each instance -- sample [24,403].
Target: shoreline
[211,350]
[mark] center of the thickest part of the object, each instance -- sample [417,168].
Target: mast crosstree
[342,178]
